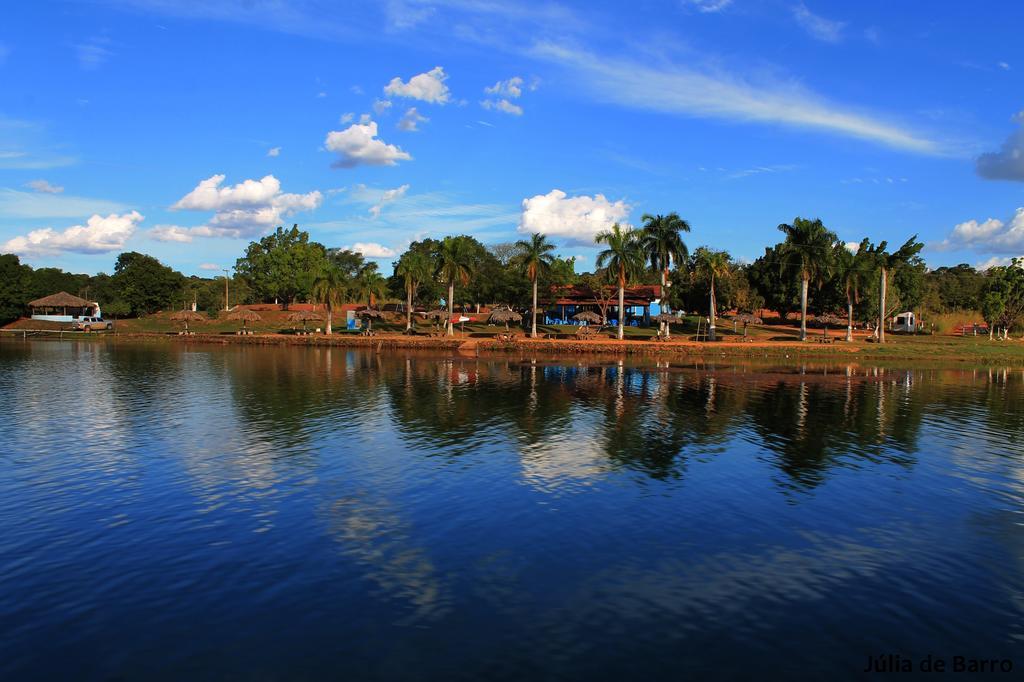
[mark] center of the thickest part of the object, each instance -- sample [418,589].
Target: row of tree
[810,270]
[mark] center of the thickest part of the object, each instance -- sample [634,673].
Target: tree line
[809,271]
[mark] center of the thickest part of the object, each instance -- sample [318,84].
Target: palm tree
[850,269]
[886,262]
[623,259]
[710,265]
[663,246]
[806,252]
[369,284]
[330,288]
[454,264]
[414,268]
[534,256]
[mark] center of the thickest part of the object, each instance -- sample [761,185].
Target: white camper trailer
[905,322]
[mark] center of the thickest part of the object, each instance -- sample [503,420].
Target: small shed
[63,307]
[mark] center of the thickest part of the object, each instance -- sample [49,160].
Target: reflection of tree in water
[650,421]
[288,395]
[814,425]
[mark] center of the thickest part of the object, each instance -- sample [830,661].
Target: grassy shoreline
[916,349]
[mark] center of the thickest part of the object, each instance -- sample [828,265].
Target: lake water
[199,512]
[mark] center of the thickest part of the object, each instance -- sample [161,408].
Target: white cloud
[346,118]
[504,92]
[1003,65]
[356,90]
[99,235]
[512,88]
[816,26]
[44,187]
[381,105]
[989,236]
[321,94]
[761,170]
[427,87]
[209,266]
[358,145]
[708,6]
[711,94]
[502,105]
[371,250]
[387,197]
[274,151]
[996,262]
[577,219]
[247,209]
[852,247]
[410,120]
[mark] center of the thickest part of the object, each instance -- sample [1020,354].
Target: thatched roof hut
[304,316]
[61,299]
[504,316]
[665,317]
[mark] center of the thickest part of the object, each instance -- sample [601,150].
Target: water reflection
[294,512]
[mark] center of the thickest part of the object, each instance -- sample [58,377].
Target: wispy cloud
[17,204]
[818,27]
[685,90]
[93,52]
[762,170]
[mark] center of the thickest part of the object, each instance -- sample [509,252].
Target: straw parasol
[589,317]
[369,314]
[747,318]
[504,315]
[187,316]
[304,316]
[667,319]
[245,316]
[827,320]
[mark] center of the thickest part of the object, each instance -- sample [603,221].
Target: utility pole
[226,290]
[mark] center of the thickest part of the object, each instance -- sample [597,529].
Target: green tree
[144,283]
[885,262]
[454,264]
[663,246]
[766,275]
[534,257]
[15,280]
[806,253]
[850,270]
[330,288]
[623,259]
[414,267]
[709,266]
[282,265]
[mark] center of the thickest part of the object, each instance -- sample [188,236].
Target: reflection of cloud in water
[383,541]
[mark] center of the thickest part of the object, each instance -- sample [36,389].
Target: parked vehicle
[88,324]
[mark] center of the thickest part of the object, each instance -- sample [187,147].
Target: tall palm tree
[623,259]
[850,269]
[886,262]
[330,288]
[454,264]
[663,246]
[711,265]
[806,252]
[534,257]
[414,267]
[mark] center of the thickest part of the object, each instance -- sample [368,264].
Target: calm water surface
[172,512]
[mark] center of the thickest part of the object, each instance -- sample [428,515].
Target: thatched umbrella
[747,318]
[504,315]
[187,316]
[245,316]
[589,317]
[304,316]
[829,319]
[369,314]
[667,319]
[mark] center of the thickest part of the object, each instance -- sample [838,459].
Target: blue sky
[186,129]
